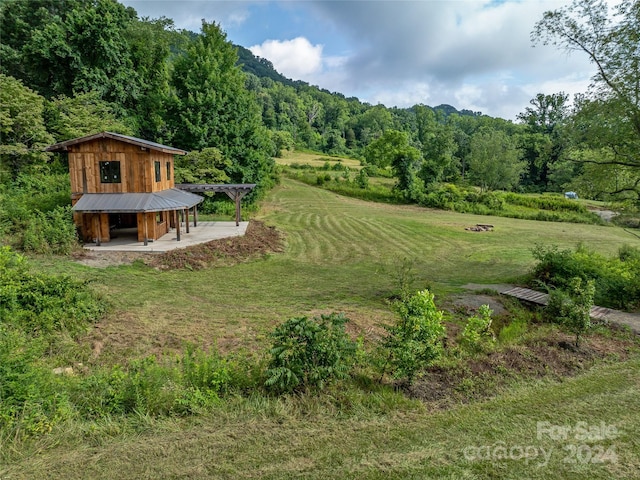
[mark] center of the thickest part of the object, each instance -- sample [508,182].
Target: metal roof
[171,199]
[62,146]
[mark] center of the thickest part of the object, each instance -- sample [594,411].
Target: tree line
[79,66]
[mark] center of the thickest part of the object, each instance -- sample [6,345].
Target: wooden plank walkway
[605,315]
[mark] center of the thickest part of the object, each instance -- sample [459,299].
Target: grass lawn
[346,255]
[315,159]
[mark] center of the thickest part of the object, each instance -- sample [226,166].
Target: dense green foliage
[605,127]
[415,340]
[36,312]
[617,280]
[94,65]
[477,333]
[309,353]
[40,304]
[571,306]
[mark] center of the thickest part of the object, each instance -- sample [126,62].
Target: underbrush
[313,367]
[35,209]
[38,314]
[616,279]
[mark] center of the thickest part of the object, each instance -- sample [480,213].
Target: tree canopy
[607,118]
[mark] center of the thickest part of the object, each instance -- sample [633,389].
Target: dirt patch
[483,376]
[468,304]
[106,259]
[259,240]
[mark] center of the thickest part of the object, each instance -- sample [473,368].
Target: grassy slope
[340,255]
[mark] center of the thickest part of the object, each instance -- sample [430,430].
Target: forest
[350,332]
[81,66]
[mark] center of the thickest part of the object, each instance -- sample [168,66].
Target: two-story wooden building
[119,181]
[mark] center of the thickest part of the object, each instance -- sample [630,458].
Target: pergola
[235,191]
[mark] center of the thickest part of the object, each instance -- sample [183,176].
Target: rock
[63,371]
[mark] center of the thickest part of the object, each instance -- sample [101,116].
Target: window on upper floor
[168,170]
[110,172]
[158,175]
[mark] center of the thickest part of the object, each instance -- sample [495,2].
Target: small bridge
[606,315]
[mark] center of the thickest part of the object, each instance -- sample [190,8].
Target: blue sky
[473,54]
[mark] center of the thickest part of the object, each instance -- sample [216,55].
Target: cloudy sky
[473,54]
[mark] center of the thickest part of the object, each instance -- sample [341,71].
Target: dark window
[168,170]
[158,177]
[110,172]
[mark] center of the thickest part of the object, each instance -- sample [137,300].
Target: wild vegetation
[161,365]
[172,368]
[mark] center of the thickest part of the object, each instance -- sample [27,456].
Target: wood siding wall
[137,168]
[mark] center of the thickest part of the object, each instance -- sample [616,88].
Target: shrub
[362,179]
[477,333]
[51,232]
[30,403]
[617,280]
[415,340]
[42,304]
[572,307]
[309,353]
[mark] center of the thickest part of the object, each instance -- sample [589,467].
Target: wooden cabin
[119,181]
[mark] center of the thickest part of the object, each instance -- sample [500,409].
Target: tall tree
[212,108]
[608,118]
[494,160]
[22,127]
[543,140]
[70,47]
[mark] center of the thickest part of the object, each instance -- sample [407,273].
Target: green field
[341,254]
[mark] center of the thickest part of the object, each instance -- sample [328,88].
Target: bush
[52,232]
[415,340]
[477,333]
[571,307]
[31,403]
[42,304]
[309,353]
[617,280]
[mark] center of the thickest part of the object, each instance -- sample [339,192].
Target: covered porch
[126,241]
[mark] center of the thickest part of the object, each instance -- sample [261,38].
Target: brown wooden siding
[137,168]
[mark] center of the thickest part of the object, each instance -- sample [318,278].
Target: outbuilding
[118,181]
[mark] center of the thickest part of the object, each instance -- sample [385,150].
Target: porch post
[96,227]
[238,197]
[177,220]
[146,234]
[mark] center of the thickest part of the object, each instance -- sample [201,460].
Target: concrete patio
[125,240]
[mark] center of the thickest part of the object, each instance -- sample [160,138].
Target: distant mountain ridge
[261,67]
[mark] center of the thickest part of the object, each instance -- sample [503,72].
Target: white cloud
[297,58]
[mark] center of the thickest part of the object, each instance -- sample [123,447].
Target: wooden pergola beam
[235,192]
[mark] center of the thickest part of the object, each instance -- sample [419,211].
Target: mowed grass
[341,254]
[315,159]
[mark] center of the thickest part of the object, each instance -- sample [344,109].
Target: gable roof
[165,200]
[62,146]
